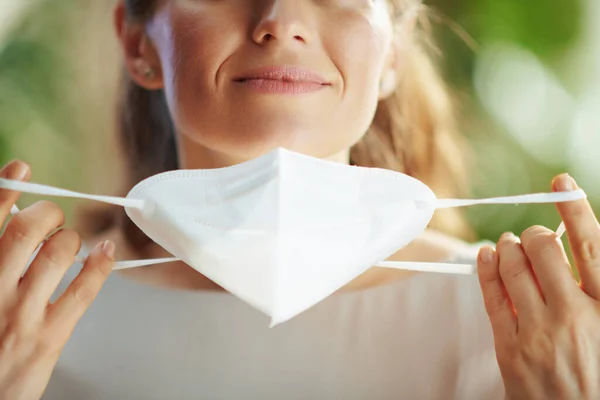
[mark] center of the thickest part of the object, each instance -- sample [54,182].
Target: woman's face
[245,76]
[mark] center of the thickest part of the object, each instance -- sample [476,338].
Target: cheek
[360,44]
[359,48]
[198,44]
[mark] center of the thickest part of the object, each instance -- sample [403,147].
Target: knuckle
[45,213]
[566,318]
[574,310]
[105,268]
[539,348]
[488,275]
[532,233]
[51,258]
[67,241]
[589,249]
[71,236]
[513,269]
[84,295]
[577,210]
[11,338]
[50,209]
[48,344]
[58,252]
[19,230]
[496,304]
[543,243]
[100,269]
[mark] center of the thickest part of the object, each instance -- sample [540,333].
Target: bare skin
[33,332]
[546,326]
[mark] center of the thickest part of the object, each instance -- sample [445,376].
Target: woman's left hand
[546,326]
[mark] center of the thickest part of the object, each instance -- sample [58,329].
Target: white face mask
[284,231]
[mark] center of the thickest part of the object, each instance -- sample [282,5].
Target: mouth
[285,80]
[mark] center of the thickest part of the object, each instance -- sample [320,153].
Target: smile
[283,80]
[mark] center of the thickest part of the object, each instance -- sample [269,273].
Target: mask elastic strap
[537,198]
[469,269]
[444,268]
[462,269]
[35,188]
[118,264]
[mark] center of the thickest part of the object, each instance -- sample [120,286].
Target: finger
[24,232]
[518,278]
[550,264]
[15,170]
[496,300]
[583,231]
[47,269]
[69,307]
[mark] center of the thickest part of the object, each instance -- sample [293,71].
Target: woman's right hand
[33,331]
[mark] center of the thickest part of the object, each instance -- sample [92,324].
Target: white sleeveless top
[423,337]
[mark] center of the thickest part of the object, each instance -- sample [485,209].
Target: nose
[282,21]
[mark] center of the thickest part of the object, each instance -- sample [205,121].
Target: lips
[284,74]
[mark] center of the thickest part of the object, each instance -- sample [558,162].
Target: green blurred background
[529,95]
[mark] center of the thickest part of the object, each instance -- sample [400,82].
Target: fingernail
[21,170]
[487,255]
[507,236]
[565,183]
[109,249]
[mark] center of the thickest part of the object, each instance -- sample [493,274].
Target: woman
[215,83]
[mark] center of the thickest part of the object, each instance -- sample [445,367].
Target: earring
[145,69]
[149,73]
[388,83]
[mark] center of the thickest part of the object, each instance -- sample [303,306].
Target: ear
[389,78]
[399,49]
[141,58]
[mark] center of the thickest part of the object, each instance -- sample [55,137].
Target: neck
[193,155]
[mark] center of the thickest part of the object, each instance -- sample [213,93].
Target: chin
[248,138]
[254,143]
